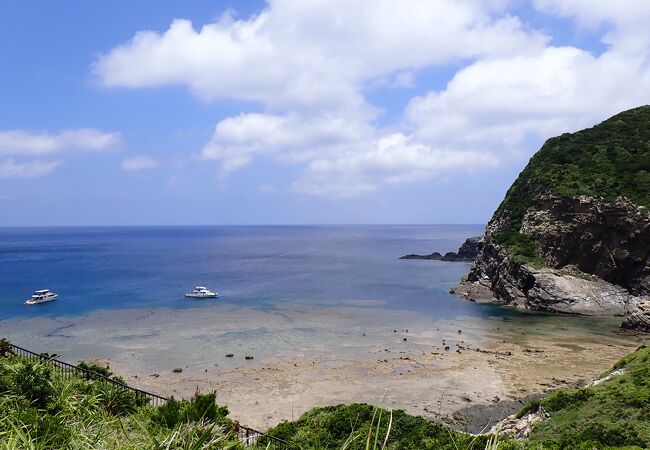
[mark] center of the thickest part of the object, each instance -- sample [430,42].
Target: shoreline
[437,385]
[313,356]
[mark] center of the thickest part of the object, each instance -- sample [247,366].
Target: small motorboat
[201,292]
[42,296]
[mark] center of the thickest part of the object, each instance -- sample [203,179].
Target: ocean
[329,314]
[259,267]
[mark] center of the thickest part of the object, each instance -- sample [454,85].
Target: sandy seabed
[307,356]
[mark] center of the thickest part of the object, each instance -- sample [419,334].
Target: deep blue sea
[96,268]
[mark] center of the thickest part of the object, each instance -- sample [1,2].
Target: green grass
[609,160]
[615,413]
[361,426]
[41,410]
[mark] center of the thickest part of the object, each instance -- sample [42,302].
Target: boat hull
[201,296]
[42,300]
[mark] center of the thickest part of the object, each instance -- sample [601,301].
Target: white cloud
[9,168]
[292,138]
[313,54]
[497,104]
[392,159]
[627,20]
[139,162]
[309,65]
[23,143]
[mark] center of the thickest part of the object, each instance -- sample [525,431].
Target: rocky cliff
[573,232]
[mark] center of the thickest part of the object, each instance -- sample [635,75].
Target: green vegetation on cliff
[609,160]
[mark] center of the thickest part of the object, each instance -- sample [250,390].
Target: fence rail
[246,435]
[71,371]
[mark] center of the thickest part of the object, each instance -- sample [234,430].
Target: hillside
[573,231]
[608,161]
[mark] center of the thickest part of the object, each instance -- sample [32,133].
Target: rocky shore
[597,257]
[549,247]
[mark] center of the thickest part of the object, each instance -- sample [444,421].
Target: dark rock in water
[248,357]
[177,370]
[466,252]
[229,355]
[435,256]
[470,248]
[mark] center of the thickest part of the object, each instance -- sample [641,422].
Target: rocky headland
[573,232]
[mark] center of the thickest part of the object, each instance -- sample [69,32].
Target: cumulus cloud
[139,162]
[294,138]
[313,54]
[9,168]
[392,159]
[24,143]
[498,104]
[309,66]
[628,21]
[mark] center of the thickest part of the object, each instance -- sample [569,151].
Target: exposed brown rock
[638,316]
[597,255]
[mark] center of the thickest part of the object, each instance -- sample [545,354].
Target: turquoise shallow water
[98,268]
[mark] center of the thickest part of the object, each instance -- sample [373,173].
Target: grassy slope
[40,410]
[361,426]
[609,160]
[614,413]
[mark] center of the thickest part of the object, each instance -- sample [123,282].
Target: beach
[306,356]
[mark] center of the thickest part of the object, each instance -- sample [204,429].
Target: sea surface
[330,314]
[257,267]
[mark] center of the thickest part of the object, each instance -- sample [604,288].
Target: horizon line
[240,225]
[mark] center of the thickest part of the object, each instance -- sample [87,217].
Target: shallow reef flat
[304,356]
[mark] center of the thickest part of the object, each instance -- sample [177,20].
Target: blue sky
[281,112]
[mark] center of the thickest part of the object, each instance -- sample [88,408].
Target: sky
[161,112]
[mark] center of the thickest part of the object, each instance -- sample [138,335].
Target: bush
[33,380]
[202,407]
[531,407]
[5,348]
[351,426]
[116,400]
[566,398]
[101,370]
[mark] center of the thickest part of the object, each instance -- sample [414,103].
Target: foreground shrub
[362,426]
[202,407]
[33,380]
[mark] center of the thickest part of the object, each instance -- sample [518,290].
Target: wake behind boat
[42,296]
[201,292]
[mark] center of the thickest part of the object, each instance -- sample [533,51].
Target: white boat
[42,296]
[201,292]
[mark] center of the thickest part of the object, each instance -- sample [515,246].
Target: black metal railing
[246,435]
[250,436]
[68,371]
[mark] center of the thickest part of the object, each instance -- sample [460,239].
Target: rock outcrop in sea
[468,251]
[573,232]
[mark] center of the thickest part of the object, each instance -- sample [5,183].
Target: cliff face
[573,233]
